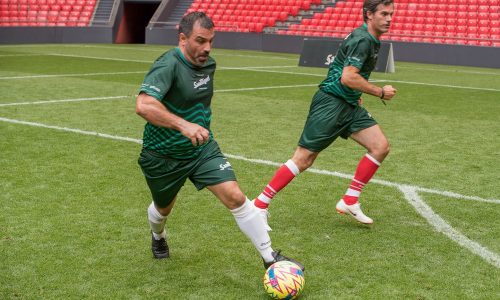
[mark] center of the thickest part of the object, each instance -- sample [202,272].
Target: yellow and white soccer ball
[284,280]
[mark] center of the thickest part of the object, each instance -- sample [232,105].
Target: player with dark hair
[175,100]
[336,111]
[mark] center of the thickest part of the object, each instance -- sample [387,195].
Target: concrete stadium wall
[459,55]
[36,35]
[409,52]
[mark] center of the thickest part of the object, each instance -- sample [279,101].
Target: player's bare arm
[157,114]
[352,79]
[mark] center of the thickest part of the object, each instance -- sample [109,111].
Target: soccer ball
[284,280]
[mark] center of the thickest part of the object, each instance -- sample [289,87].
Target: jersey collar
[183,58]
[365,27]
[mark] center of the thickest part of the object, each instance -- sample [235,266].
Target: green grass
[73,220]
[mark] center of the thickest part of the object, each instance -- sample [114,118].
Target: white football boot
[353,210]
[264,213]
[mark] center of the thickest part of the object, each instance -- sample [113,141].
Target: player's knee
[164,211]
[382,149]
[235,198]
[304,159]
[305,163]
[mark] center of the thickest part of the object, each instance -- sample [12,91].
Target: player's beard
[202,58]
[197,58]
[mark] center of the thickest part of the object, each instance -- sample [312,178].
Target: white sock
[252,225]
[156,222]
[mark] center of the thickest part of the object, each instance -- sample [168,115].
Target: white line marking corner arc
[443,227]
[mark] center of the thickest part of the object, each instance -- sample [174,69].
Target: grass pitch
[73,221]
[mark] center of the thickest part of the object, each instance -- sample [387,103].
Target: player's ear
[369,15]
[182,38]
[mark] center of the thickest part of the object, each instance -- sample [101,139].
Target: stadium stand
[466,22]
[454,22]
[46,12]
[250,16]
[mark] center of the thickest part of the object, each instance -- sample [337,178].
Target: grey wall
[33,35]
[460,55]
[410,52]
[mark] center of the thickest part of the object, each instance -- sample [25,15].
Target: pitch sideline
[410,193]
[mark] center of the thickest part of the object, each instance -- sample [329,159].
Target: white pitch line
[109,58]
[443,227]
[259,161]
[252,69]
[37,102]
[376,80]
[410,192]
[441,85]
[168,47]
[59,128]
[164,49]
[62,101]
[118,73]
[377,181]
[449,71]
[312,170]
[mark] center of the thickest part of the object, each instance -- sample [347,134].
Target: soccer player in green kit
[336,111]
[175,100]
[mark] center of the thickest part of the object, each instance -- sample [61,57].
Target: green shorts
[329,118]
[165,176]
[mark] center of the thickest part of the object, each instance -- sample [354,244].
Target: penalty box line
[410,193]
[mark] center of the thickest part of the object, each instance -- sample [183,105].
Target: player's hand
[197,134]
[360,101]
[388,92]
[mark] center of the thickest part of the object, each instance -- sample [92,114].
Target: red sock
[364,172]
[282,178]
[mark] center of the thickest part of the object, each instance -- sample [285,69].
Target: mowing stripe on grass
[17,55]
[167,47]
[266,88]
[70,75]
[410,193]
[252,69]
[63,100]
[121,97]
[100,58]
[162,49]
[129,60]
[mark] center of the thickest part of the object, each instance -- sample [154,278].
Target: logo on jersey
[155,88]
[329,59]
[199,83]
[225,166]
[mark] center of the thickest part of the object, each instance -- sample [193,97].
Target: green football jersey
[185,90]
[359,49]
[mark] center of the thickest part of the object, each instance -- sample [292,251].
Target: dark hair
[371,6]
[188,21]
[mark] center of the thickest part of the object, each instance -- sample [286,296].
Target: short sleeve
[357,53]
[158,80]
